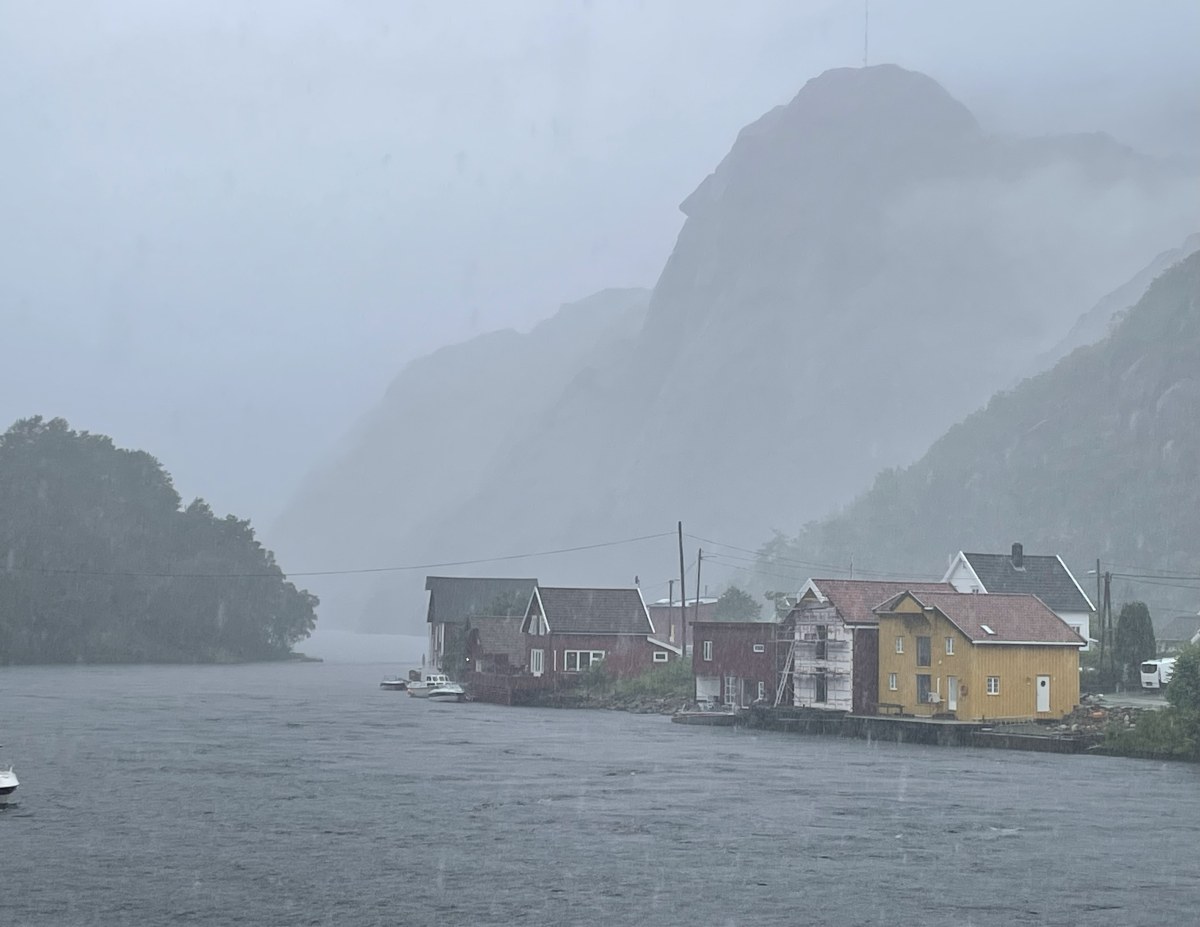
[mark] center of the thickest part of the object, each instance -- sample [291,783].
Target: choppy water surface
[303,794]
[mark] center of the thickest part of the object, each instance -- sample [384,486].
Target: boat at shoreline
[436,686]
[8,785]
[394,684]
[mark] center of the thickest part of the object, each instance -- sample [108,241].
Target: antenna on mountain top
[866,29]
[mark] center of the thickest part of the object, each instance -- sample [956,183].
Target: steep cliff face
[865,267]
[1099,457]
[1095,324]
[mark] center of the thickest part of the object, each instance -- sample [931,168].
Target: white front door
[537,662]
[952,693]
[1043,693]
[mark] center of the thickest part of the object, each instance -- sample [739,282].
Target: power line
[364,570]
[786,561]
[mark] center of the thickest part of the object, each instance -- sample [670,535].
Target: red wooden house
[735,662]
[566,631]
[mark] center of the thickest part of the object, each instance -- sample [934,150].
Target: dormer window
[988,631]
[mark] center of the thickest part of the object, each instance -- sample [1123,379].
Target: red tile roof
[1013,619]
[855,599]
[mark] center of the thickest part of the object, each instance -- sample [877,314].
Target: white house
[1045,576]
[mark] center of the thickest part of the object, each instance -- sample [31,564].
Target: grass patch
[673,680]
[1172,733]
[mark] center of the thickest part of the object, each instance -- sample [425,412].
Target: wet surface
[304,794]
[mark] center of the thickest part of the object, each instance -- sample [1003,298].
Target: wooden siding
[733,656]
[1016,665]
[625,655]
[866,671]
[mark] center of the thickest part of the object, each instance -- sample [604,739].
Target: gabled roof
[1045,576]
[994,619]
[1178,629]
[594,611]
[855,599]
[454,599]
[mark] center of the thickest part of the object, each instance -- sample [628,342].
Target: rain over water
[303,794]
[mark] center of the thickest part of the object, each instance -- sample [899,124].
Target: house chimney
[1018,557]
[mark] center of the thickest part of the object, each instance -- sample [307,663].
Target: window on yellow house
[949,646]
[993,685]
[924,651]
[899,645]
[892,682]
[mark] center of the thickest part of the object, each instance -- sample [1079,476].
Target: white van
[1157,673]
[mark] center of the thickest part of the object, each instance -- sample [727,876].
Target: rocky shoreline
[635,704]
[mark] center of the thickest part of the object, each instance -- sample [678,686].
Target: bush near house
[1174,732]
[674,680]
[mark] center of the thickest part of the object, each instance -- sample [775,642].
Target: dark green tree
[1134,639]
[737,605]
[99,563]
[1183,691]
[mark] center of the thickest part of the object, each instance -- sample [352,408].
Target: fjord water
[303,794]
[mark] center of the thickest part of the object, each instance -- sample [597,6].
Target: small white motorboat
[8,785]
[394,683]
[438,686]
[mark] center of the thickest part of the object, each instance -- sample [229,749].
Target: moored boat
[394,683]
[8,785]
[437,686]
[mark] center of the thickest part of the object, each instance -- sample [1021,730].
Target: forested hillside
[1098,457]
[99,562]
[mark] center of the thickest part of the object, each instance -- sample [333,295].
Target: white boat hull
[8,786]
[453,693]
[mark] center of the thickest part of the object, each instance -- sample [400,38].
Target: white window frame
[707,650]
[893,682]
[949,646]
[993,685]
[760,648]
[899,645]
[731,690]
[762,690]
[660,656]
[593,657]
[537,661]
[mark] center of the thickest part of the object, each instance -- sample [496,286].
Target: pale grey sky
[228,225]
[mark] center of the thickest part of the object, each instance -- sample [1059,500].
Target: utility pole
[682,599]
[670,606]
[1100,609]
[1108,625]
[699,557]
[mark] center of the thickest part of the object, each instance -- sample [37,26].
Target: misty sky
[228,225]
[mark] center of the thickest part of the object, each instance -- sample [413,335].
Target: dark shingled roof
[1013,618]
[595,611]
[1044,576]
[854,599]
[454,599]
[1178,630]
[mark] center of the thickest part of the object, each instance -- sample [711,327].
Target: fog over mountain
[866,265]
[231,225]
[1097,457]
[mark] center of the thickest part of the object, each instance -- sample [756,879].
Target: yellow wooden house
[976,657]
